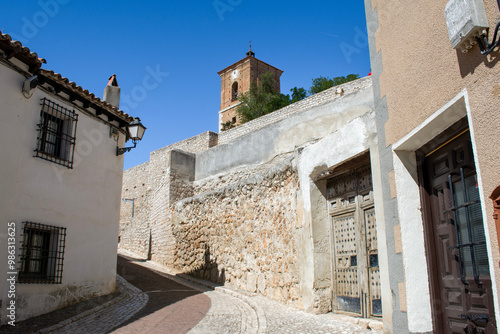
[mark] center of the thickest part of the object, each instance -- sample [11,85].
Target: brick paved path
[172,307]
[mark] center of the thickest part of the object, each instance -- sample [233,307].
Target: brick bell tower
[236,79]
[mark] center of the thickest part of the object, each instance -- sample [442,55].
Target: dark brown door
[461,284]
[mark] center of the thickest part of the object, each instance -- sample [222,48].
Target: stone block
[251,282]
[261,283]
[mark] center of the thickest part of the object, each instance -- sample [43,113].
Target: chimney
[112,92]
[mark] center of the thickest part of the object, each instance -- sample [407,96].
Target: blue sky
[185,43]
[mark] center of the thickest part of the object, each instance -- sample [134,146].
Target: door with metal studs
[356,274]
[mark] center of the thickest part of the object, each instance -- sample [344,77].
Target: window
[234,91]
[56,134]
[42,254]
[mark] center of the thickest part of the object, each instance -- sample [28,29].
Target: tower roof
[250,53]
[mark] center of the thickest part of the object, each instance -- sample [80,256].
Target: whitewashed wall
[85,199]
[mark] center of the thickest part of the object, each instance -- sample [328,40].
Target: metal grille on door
[356,270]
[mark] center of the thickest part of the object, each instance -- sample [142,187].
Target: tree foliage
[322,83]
[227,125]
[260,99]
[298,94]
[263,99]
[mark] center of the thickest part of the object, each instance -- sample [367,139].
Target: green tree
[261,99]
[322,83]
[228,125]
[298,94]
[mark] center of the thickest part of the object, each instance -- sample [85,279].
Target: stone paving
[230,312]
[106,317]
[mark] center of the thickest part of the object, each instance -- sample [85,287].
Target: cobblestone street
[154,300]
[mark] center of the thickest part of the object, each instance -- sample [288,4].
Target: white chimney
[112,92]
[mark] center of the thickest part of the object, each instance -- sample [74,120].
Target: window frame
[56,133]
[42,254]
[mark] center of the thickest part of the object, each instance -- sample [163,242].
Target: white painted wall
[344,143]
[85,199]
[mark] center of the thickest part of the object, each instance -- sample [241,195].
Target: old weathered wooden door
[356,272]
[456,247]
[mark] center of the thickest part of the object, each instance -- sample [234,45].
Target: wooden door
[460,278]
[356,272]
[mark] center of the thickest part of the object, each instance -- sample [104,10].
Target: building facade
[61,181]
[283,205]
[437,100]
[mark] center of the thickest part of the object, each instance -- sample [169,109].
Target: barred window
[42,253]
[56,134]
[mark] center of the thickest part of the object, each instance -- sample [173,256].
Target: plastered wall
[417,74]
[85,199]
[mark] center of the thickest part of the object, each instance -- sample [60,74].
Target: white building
[61,181]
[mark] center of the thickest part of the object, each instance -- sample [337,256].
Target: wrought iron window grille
[460,246]
[42,254]
[56,134]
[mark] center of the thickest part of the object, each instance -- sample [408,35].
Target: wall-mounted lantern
[29,85]
[135,132]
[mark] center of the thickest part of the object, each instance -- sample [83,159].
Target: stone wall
[150,186]
[134,229]
[236,213]
[194,144]
[237,229]
[243,234]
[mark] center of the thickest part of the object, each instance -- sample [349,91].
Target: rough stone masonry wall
[134,230]
[149,185]
[244,233]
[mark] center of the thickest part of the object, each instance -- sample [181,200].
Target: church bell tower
[236,80]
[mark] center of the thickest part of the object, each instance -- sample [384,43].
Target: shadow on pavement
[172,307]
[35,324]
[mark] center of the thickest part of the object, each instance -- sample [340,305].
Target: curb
[126,290]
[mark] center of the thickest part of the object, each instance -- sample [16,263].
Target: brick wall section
[307,103]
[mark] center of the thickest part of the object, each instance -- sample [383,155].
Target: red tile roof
[73,87]
[17,50]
